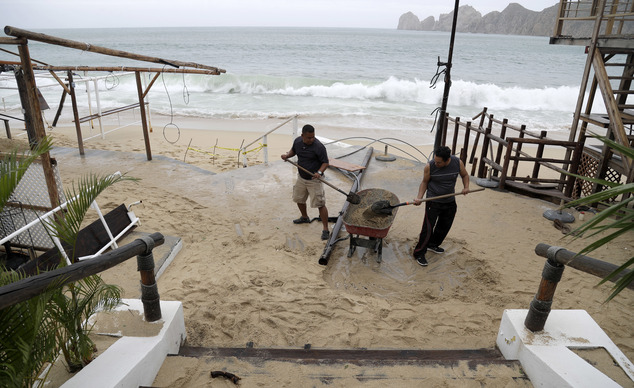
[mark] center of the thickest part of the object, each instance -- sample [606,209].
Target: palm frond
[616,220]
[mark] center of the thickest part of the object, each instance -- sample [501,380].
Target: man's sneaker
[422,261]
[325,235]
[436,249]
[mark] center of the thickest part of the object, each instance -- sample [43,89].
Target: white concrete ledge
[546,356]
[135,361]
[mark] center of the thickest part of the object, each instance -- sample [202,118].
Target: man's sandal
[302,220]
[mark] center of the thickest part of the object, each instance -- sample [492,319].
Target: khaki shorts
[305,187]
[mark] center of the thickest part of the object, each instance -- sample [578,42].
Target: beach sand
[247,274]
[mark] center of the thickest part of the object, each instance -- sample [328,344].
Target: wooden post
[574,168]
[477,139]
[6,127]
[59,108]
[454,143]
[463,155]
[485,148]
[516,161]
[73,99]
[146,135]
[505,167]
[498,157]
[33,119]
[539,155]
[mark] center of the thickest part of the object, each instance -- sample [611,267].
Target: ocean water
[365,79]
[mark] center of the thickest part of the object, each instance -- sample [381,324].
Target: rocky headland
[513,20]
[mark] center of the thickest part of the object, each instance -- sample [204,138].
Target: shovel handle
[321,179]
[450,195]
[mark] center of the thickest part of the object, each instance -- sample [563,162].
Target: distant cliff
[513,20]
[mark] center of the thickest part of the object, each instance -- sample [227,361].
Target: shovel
[384,207]
[351,197]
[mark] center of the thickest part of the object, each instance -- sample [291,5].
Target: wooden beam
[16,41]
[127,69]
[60,107]
[73,98]
[146,135]
[20,33]
[32,286]
[616,123]
[33,119]
[147,90]
[62,83]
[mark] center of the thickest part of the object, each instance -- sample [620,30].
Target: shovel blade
[353,198]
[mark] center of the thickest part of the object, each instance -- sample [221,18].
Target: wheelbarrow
[360,220]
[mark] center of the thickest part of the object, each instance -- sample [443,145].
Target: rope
[185,91]
[115,81]
[171,113]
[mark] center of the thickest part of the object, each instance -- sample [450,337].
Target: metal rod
[325,256]
[445,98]
[584,263]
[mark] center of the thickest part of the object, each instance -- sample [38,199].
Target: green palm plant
[616,219]
[27,334]
[79,300]
[27,338]
[32,333]
[72,308]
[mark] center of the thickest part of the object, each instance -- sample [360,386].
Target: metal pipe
[584,263]
[325,256]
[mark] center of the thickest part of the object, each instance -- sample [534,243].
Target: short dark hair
[308,128]
[443,152]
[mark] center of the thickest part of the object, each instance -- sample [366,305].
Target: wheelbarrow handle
[321,179]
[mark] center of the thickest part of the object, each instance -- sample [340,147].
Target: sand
[247,274]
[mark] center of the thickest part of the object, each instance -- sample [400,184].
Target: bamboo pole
[20,33]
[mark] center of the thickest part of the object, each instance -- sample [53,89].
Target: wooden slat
[356,356]
[338,163]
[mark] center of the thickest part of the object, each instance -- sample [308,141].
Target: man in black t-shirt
[439,178]
[312,155]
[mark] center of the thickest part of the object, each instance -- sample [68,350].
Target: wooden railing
[614,16]
[505,146]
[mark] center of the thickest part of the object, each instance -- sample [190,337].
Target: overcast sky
[35,14]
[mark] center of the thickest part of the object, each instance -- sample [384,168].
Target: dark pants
[438,220]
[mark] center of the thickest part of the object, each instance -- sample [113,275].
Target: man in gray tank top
[439,178]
